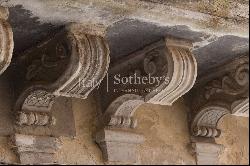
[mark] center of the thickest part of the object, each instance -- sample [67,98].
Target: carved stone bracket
[71,64]
[223,91]
[6,40]
[159,74]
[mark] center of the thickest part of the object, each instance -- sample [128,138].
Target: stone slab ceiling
[130,25]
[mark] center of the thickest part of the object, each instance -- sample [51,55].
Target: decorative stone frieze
[158,74]
[6,40]
[222,91]
[62,66]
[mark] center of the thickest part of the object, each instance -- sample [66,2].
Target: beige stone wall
[166,132]
[235,138]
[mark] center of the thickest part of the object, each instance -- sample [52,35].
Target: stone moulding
[60,67]
[170,60]
[6,41]
[224,91]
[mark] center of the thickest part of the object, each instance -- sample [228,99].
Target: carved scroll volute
[169,62]
[6,40]
[89,64]
[71,64]
[181,75]
[223,91]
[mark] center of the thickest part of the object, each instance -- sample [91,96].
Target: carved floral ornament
[227,93]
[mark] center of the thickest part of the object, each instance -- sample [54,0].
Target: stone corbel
[221,92]
[61,67]
[159,74]
[6,40]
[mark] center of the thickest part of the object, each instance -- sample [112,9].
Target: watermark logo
[120,83]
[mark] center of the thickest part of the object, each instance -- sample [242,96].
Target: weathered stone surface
[36,144]
[207,153]
[31,158]
[36,149]
[119,146]
[203,16]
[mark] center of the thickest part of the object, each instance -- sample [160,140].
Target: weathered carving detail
[221,92]
[6,40]
[39,119]
[205,122]
[62,66]
[120,112]
[158,74]
[227,93]
[39,100]
[183,72]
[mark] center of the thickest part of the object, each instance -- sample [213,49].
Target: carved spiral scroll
[170,61]
[6,45]
[226,92]
[88,66]
[72,66]
[183,68]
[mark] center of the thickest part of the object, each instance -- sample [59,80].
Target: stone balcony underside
[130,29]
